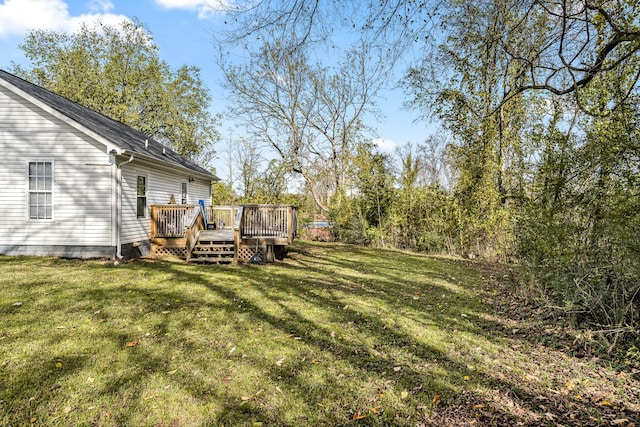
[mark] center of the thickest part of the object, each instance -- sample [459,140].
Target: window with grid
[142,197]
[40,190]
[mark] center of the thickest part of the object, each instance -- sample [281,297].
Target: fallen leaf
[245,398]
[172,372]
[166,312]
[437,399]
[359,416]
[279,361]
[466,378]
[404,394]
[16,304]
[376,410]
[397,368]
[619,421]
[605,403]
[132,343]
[67,409]
[33,420]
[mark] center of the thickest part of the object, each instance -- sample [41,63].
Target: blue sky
[183,31]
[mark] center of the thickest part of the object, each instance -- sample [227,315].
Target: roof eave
[155,160]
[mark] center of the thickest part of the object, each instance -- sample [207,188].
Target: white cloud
[205,8]
[101,6]
[386,145]
[20,16]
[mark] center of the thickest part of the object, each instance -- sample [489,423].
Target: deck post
[154,212]
[289,224]
[237,224]
[236,246]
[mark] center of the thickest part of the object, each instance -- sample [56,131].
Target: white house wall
[162,183]
[82,215]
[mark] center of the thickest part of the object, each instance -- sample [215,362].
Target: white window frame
[184,195]
[30,191]
[145,196]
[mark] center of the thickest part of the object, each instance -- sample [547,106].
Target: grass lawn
[332,335]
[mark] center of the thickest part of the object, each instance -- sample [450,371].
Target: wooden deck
[245,233]
[224,235]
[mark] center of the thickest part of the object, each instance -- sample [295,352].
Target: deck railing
[250,221]
[194,223]
[169,221]
[267,221]
[221,217]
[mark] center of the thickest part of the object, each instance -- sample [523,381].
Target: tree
[578,231]
[555,46]
[309,114]
[117,71]
[540,100]
[248,159]
[272,183]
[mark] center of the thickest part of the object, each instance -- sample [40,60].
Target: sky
[183,30]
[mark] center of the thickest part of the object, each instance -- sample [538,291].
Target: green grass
[333,335]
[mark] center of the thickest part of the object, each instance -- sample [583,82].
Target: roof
[128,139]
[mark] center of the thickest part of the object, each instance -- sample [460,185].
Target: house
[75,183]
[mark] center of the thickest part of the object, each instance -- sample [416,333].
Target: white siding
[82,179]
[162,183]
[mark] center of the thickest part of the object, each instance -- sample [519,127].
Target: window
[184,199]
[40,190]
[141,191]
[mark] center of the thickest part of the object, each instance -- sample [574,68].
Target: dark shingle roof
[119,134]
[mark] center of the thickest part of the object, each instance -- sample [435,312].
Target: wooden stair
[213,247]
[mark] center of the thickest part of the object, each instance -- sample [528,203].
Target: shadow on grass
[333,335]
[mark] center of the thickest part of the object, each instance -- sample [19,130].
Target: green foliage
[425,219]
[579,231]
[270,185]
[117,71]
[374,183]
[363,217]
[222,194]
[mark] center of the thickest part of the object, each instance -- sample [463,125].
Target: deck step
[213,246]
[211,249]
[214,253]
[212,260]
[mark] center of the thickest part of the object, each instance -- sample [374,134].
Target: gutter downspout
[119,204]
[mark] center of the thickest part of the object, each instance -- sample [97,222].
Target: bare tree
[311,115]
[554,46]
